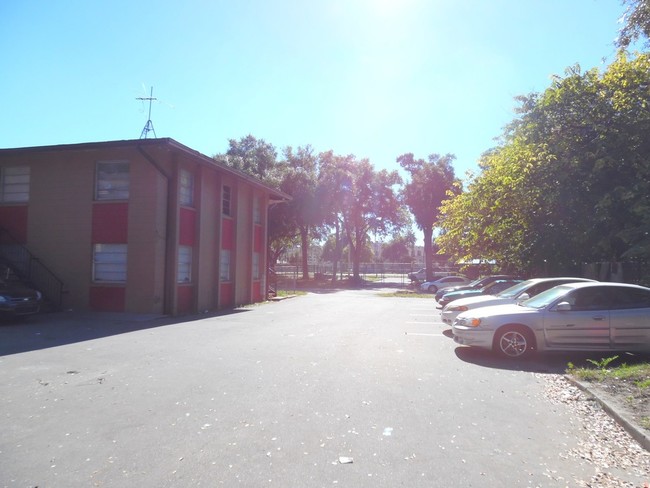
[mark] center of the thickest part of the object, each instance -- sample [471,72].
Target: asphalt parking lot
[337,388]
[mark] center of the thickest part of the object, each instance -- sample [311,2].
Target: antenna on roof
[149,125]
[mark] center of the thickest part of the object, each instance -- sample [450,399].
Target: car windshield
[545,298]
[514,290]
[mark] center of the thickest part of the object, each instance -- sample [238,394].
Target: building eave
[276,196]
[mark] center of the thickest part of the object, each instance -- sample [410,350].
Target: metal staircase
[16,259]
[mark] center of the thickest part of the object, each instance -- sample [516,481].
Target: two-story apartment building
[143,226]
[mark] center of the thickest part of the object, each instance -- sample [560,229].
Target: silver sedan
[587,316]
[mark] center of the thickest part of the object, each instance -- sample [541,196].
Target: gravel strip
[619,460]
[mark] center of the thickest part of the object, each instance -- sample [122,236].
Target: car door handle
[599,317]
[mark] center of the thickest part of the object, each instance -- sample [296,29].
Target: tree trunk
[304,243]
[428,254]
[337,251]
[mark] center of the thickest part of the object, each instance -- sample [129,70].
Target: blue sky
[374,78]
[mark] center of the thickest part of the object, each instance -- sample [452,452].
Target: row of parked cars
[515,317]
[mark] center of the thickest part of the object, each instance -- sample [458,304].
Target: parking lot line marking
[424,334]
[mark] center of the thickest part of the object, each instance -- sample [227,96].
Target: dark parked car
[476,284]
[17,299]
[490,289]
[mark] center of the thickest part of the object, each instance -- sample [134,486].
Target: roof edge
[158,142]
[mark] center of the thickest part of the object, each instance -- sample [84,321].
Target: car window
[623,297]
[545,298]
[592,298]
[540,287]
[514,290]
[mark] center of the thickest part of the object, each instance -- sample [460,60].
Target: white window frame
[225,257]
[14,184]
[226,200]
[184,267]
[186,190]
[257,210]
[256,266]
[109,263]
[114,184]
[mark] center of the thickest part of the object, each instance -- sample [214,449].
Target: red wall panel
[14,219]
[107,298]
[184,296]
[257,291]
[257,243]
[110,223]
[227,234]
[187,227]
[226,297]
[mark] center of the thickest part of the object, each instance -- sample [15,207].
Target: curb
[628,424]
[279,299]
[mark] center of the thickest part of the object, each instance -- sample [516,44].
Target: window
[184,274]
[225,201]
[257,210]
[15,184]
[592,298]
[256,266]
[624,298]
[224,265]
[109,263]
[112,180]
[186,196]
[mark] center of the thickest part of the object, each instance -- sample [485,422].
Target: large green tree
[636,23]
[571,179]
[359,199]
[430,183]
[298,176]
[252,156]
[397,250]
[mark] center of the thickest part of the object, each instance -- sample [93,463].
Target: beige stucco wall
[60,218]
[147,229]
[244,240]
[59,225]
[207,264]
[60,213]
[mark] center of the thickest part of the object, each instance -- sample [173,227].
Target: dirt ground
[628,398]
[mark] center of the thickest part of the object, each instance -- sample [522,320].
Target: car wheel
[514,342]
[433,289]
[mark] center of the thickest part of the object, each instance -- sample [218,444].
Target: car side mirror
[522,297]
[563,307]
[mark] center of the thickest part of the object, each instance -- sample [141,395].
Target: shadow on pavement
[47,330]
[550,362]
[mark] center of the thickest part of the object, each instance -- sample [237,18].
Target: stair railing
[30,269]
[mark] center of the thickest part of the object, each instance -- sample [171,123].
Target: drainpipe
[168,286]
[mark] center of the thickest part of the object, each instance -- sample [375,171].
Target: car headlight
[458,308]
[468,321]
[3,299]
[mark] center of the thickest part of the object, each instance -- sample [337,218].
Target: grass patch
[639,374]
[407,294]
[286,293]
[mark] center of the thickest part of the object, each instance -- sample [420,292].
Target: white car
[444,282]
[586,316]
[522,291]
